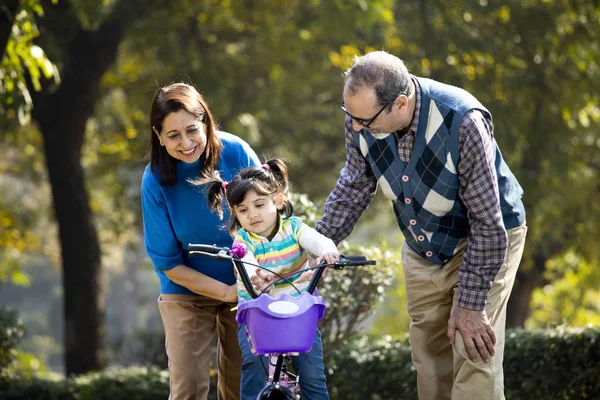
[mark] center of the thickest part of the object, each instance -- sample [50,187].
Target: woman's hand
[230,295]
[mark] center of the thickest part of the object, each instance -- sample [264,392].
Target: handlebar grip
[354,258]
[351,261]
[206,248]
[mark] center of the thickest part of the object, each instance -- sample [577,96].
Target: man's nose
[356,126]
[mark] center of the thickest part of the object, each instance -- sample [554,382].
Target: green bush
[11,333]
[562,363]
[123,384]
[550,364]
[372,368]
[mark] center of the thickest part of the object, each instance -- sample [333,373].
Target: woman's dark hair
[174,98]
[269,179]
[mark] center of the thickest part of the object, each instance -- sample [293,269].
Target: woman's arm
[199,283]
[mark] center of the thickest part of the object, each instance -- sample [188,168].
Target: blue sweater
[177,215]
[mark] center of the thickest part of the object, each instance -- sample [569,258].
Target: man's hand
[477,333]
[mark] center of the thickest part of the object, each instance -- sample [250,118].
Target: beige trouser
[190,324]
[445,371]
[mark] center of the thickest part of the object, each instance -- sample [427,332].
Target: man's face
[367,113]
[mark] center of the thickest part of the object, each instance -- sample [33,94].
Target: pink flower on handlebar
[239,250]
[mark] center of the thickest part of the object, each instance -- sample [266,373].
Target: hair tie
[266,166]
[224,185]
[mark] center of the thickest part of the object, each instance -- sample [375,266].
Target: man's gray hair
[383,72]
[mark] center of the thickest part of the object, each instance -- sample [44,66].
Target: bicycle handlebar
[206,248]
[237,252]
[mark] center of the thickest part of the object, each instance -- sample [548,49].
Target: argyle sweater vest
[424,193]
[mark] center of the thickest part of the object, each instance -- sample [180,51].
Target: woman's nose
[185,140]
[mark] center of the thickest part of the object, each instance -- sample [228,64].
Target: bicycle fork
[279,375]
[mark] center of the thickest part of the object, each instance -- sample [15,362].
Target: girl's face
[259,213]
[183,136]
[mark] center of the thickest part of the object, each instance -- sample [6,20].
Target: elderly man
[431,149]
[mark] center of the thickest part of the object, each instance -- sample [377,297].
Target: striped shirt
[285,254]
[487,242]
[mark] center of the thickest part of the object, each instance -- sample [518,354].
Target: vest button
[407,200]
[405,178]
[429,253]
[413,222]
[421,238]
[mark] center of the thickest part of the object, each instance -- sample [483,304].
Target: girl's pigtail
[215,190]
[280,173]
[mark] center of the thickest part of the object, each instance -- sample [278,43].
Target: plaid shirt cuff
[473,292]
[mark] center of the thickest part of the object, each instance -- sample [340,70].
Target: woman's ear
[159,137]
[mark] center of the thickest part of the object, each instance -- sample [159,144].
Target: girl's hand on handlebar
[329,258]
[261,280]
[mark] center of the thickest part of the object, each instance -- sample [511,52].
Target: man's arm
[487,242]
[353,193]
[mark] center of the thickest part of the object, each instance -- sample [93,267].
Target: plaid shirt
[487,242]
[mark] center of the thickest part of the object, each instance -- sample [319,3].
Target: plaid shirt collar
[414,125]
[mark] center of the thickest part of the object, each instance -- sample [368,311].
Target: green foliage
[546,364]
[571,294]
[272,74]
[125,384]
[23,59]
[562,363]
[352,295]
[372,369]
[13,362]
[11,333]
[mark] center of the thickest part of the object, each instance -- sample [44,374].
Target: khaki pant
[445,371]
[190,324]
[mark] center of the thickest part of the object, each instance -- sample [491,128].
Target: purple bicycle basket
[284,324]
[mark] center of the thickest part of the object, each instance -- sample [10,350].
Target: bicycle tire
[272,392]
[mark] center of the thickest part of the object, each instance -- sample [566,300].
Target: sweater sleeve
[159,238]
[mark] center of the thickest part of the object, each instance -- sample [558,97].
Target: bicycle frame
[266,317]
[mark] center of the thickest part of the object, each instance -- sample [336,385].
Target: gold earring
[162,143]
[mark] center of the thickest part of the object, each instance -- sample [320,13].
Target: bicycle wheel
[272,392]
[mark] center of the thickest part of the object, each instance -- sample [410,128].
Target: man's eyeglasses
[366,122]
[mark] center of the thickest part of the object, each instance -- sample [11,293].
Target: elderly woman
[196,294]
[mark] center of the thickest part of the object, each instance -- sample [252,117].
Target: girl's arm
[318,244]
[199,283]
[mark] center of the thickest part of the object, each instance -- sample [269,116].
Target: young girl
[261,218]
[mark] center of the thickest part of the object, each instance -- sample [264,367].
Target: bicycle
[266,317]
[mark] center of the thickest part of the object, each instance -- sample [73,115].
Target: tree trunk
[8,10]
[62,114]
[80,250]
[518,309]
